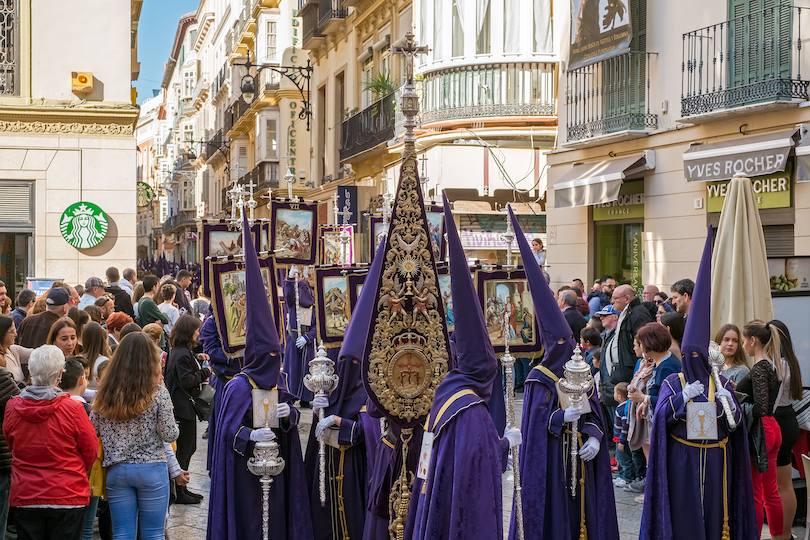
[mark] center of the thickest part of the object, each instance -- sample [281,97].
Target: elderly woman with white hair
[53,445]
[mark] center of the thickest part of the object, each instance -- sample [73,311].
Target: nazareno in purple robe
[235,506]
[461,496]
[685,484]
[549,511]
[224,369]
[296,361]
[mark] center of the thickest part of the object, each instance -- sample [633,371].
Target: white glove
[722,392]
[692,390]
[320,402]
[513,435]
[327,422]
[262,435]
[282,410]
[572,414]
[293,272]
[300,342]
[589,449]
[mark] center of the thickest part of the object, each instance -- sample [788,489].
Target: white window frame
[271,147]
[271,42]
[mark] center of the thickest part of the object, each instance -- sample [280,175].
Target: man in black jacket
[121,298]
[568,303]
[183,280]
[620,357]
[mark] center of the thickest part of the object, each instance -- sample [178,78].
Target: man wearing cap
[94,288]
[609,318]
[34,329]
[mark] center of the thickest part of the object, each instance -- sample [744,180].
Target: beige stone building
[66,135]
[648,138]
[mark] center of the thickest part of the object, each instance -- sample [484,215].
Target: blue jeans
[625,460]
[90,519]
[5,487]
[138,491]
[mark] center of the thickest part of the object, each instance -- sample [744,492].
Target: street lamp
[298,75]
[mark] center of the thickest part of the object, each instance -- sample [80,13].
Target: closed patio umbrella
[741,288]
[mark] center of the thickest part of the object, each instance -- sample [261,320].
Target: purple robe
[235,507]
[296,361]
[467,458]
[549,512]
[688,481]
[223,367]
[352,436]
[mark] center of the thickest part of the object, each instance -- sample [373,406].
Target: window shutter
[15,203]
[779,240]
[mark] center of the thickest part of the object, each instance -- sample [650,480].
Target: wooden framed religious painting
[332,253]
[505,294]
[292,232]
[435,222]
[334,303]
[229,299]
[376,232]
[223,239]
[447,295]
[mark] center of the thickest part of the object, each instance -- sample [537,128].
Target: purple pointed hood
[475,364]
[696,336]
[553,330]
[350,395]
[262,361]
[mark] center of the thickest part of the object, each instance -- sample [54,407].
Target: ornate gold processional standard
[408,352]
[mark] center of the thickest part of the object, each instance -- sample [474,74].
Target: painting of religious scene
[293,234]
[234,301]
[223,244]
[447,300]
[265,242]
[336,305]
[434,222]
[333,248]
[509,296]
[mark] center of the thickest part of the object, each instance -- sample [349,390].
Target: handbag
[203,402]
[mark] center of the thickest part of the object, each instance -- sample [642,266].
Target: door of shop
[619,251]
[15,261]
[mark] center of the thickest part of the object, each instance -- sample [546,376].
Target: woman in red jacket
[53,445]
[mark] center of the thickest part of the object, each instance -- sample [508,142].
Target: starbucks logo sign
[143,194]
[83,225]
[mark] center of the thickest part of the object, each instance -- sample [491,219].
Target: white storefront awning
[752,156]
[599,183]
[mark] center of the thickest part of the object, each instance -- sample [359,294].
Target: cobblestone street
[188,522]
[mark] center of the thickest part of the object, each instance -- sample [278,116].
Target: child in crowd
[589,340]
[74,382]
[168,307]
[620,427]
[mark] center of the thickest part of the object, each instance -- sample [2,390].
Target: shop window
[619,252]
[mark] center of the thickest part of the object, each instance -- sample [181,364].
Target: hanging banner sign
[600,29]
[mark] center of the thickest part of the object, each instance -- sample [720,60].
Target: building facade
[648,138]
[67,117]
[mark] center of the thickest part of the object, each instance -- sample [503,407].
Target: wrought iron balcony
[610,96]
[372,126]
[183,219]
[235,112]
[329,10]
[489,91]
[265,175]
[310,13]
[750,59]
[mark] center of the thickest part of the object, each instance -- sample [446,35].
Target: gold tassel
[400,498]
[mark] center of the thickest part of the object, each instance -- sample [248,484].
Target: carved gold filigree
[66,127]
[408,357]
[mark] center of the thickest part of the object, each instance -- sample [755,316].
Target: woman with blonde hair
[133,415]
[155,331]
[761,387]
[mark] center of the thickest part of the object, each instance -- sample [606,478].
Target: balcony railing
[265,175]
[370,127]
[611,96]
[309,14]
[235,112]
[490,90]
[330,9]
[183,219]
[754,58]
[220,78]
